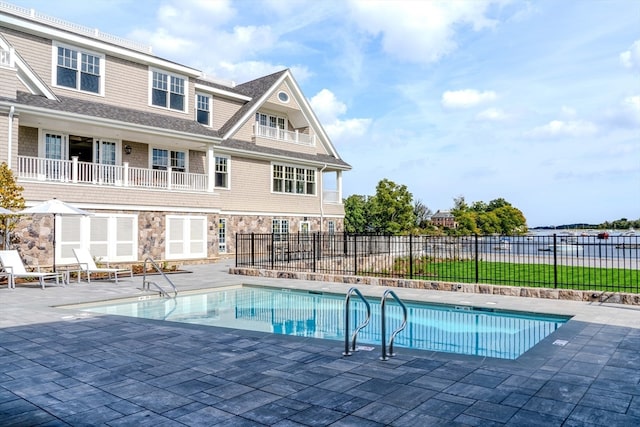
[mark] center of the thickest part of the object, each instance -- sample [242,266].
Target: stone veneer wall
[559,294]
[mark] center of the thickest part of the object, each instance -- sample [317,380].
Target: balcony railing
[74,171]
[284,135]
[6,57]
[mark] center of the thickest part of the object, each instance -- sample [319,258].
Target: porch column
[339,185]
[211,168]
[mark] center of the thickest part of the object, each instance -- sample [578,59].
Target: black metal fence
[585,262]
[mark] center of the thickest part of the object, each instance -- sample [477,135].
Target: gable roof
[260,90]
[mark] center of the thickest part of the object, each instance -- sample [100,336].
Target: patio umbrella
[53,207]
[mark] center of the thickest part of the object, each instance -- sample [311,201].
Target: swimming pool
[435,327]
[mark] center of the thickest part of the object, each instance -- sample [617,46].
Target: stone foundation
[559,294]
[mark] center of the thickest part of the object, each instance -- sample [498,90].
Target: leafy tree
[495,217]
[10,198]
[356,215]
[391,209]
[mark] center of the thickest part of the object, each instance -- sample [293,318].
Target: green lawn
[533,275]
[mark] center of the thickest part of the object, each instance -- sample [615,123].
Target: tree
[10,198]
[495,217]
[356,215]
[391,209]
[422,214]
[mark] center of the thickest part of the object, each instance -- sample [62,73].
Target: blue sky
[537,102]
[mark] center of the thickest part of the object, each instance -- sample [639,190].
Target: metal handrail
[346,321]
[145,283]
[383,326]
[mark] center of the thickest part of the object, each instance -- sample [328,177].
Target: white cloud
[421,33]
[466,98]
[631,58]
[492,114]
[328,109]
[559,128]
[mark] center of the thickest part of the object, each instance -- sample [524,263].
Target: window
[331,225]
[294,180]
[222,172]
[186,237]
[271,126]
[283,97]
[168,91]
[222,235]
[78,70]
[279,228]
[162,159]
[111,237]
[203,111]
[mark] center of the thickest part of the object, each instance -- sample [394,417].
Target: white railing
[6,57]
[331,196]
[33,15]
[74,171]
[284,135]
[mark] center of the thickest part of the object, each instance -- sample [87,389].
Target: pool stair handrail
[383,326]
[347,351]
[146,283]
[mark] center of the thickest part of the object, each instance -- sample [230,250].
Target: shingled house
[168,161]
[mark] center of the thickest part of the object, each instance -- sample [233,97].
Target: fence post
[355,255]
[314,235]
[237,250]
[253,241]
[273,250]
[411,256]
[477,257]
[555,263]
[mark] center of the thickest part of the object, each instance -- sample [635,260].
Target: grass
[531,275]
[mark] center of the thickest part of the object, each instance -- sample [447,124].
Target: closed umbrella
[53,207]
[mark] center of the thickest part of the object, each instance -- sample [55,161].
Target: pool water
[435,327]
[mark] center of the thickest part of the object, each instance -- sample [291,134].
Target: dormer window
[168,91]
[78,69]
[203,109]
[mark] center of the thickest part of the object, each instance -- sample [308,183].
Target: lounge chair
[88,266]
[14,267]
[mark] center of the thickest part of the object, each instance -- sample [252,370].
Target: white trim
[195,108]
[169,75]
[46,31]
[185,237]
[295,166]
[221,92]
[228,187]
[26,75]
[54,67]
[169,149]
[276,158]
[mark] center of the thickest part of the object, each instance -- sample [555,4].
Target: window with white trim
[162,159]
[110,237]
[271,126]
[186,237]
[203,109]
[294,180]
[279,228]
[78,69]
[222,172]
[222,235]
[331,227]
[168,91]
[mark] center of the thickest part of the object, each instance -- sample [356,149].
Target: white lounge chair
[88,266]
[14,267]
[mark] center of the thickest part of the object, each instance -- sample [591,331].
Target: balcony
[277,134]
[76,172]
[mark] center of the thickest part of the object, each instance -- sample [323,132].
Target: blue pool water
[454,329]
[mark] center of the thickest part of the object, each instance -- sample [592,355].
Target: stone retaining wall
[516,291]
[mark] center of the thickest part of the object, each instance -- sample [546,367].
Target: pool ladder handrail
[383,325]
[351,291]
[146,283]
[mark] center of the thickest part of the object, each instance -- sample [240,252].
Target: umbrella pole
[54,243]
